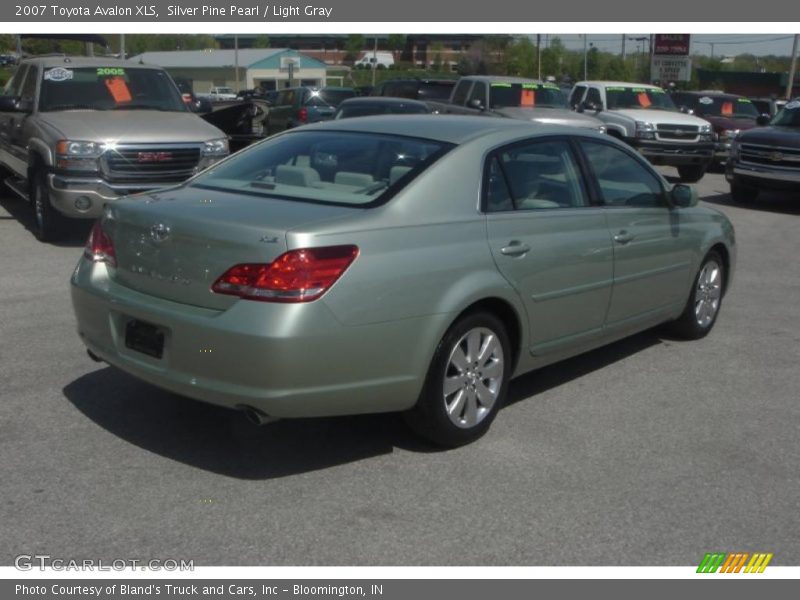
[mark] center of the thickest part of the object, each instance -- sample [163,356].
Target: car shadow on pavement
[21,211]
[785,203]
[222,441]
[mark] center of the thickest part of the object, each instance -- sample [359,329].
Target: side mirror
[589,105]
[686,110]
[202,105]
[683,196]
[475,103]
[763,120]
[15,104]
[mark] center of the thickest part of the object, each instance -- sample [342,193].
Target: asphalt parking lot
[651,451]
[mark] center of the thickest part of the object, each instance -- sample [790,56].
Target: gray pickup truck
[76,133]
[514,98]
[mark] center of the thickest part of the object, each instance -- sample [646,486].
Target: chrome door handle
[515,248]
[623,237]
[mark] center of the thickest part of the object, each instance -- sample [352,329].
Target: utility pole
[539,54]
[623,47]
[793,70]
[236,59]
[122,46]
[585,58]
[374,59]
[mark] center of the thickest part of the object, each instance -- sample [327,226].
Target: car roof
[501,79]
[84,61]
[620,84]
[382,100]
[442,128]
[712,94]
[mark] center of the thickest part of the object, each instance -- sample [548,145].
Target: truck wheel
[466,382]
[691,173]
[48,223]
[743,194]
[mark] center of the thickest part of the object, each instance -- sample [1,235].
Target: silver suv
[76,133]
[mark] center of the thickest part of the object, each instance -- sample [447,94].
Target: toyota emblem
[159,233]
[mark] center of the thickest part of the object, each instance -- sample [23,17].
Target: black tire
[429,417]
[688,325]
[48,223]
[692,173]
[743,194]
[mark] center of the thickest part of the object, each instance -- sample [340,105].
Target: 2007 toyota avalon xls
[399,263]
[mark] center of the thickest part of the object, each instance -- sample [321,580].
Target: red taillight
[99,247]
[302,115]
[295,276]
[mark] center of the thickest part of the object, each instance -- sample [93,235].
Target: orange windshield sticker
[528,98]
[119,89]
[643,99]
[727,109]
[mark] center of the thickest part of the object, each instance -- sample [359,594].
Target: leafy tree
[396,43]
[354,46]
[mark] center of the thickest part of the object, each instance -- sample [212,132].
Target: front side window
[537,176]
[577,95]
[14,85]
[623,180]
[593,96]
[789,115]
[478,93]
[108,88]
[461,91]
[619,97]
[325,167]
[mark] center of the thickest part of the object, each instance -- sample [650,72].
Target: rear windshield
[328,97]
[108,88]
[325,167]
[789,116]
[527,95]
[356,109]
[733,108]
[638,97]
[435,90]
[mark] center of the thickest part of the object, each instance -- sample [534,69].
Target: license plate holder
[144,338]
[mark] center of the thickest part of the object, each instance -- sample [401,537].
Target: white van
[380,59]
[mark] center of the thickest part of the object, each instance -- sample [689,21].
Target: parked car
[410,263]
[645,117]
[367,106]
[768,106]
[221,93]
[728,114]
[513,98]
[77,133]
[766,157]
[380,60]
[302,105]
[416,89]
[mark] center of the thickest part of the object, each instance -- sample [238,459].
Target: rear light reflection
[296,276]
[302,115]
[99,247]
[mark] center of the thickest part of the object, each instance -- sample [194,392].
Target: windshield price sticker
[744,101]
[502,85]
[58,74]
[793,104]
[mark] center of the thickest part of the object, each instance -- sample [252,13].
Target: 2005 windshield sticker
[58,74]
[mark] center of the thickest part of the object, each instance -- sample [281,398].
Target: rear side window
[537,176]
[325,167]
[623,180]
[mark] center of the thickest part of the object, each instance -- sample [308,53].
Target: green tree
[396,43]
[354,46]
[261,41]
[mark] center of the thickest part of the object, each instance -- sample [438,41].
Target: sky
[724,44]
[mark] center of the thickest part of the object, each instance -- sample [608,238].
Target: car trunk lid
[176,243]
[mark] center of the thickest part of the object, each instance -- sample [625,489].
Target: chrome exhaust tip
[93,356]
[256,416]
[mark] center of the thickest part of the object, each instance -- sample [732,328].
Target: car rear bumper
[286,360]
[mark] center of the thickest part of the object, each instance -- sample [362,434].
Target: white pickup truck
[645,117]
[221,93]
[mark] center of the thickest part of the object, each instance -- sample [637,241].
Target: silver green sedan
[398,263]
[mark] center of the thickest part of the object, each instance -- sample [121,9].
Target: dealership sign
[671,68]
[672,44]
